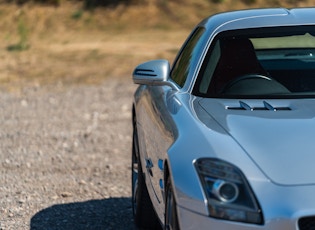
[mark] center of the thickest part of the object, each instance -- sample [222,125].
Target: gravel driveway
[65,157]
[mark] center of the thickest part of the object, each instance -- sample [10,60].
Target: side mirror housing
[154,72]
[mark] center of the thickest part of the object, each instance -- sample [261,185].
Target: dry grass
[66,45]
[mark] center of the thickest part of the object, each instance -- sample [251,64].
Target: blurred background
[87,41]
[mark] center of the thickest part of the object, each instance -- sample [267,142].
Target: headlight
[228,193]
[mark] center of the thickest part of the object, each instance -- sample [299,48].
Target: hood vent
[266,106]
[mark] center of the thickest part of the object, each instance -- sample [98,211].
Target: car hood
[278,135]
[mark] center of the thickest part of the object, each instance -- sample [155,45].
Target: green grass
[23,33]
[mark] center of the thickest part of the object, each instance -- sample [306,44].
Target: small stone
[82,182]
[54,197]
[66,194]
[24,103]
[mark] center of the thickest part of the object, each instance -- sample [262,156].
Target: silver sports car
[225,137]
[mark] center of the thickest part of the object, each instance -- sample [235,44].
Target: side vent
[270,107]
[266,106]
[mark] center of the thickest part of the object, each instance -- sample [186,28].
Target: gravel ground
[65,157]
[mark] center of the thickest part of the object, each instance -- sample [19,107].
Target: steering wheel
[254,78]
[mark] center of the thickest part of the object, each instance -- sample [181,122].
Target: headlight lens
[228,193]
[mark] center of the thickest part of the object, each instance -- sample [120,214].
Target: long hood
[278,135]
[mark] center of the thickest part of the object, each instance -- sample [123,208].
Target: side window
[182,64]
[210,67]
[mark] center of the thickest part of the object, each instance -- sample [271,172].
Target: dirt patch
[65,157]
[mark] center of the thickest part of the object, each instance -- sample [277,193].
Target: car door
[156,133]
[158,129]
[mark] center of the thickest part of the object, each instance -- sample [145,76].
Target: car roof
[257,18]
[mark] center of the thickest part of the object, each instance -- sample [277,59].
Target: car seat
[238,58]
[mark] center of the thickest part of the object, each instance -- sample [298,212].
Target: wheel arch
[166,176]
[133,115]
[134,127]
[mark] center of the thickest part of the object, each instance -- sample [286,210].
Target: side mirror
[154,72]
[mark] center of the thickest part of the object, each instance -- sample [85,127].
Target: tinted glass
[272,63]
[183,63]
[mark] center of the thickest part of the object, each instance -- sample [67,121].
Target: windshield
[259,63]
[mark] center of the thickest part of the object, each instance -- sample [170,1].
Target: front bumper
[191,220]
